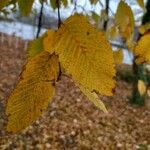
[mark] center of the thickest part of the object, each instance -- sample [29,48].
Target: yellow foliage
[112,32]
[93,97]
[33,92]
[103,16]
[144,28]
[141,3]
[130,43]
[142,49]
[118,56]
[3,3]
[93,1]
[64,2]
[86,55]
[141,87]
[95,17]
[36,46]
[48,41]
[54,3]
[83,52]
[25,6]
[124,18]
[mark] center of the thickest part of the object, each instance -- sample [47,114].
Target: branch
[118,45]
[40,19]
[107,13]
[59,18]
[101,4]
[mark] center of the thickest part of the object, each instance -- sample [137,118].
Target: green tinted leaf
[36,46]
[65,2]
[53,4]
[95,16]
[25,6]
[93,1]
[3,3]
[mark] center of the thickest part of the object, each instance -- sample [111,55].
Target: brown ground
[71,121]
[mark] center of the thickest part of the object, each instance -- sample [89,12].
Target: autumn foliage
[78,50]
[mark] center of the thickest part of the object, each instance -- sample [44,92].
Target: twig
[59,18]
[101,4]
[40,19]
[75,7]
[118,45]
[107,13]
[79,6]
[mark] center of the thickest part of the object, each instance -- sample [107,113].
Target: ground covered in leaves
[71,122]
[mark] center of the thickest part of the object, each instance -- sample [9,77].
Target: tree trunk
[139,70]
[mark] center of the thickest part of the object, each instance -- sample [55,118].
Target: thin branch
[113,14]
[59,24]
[107,13]
[59,18]
[76,6]
[40,19]
[82,7]
[101,4]
[118,45]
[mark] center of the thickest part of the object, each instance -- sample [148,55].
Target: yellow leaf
[130,43]
[64,2]
[92,96]
[48,41]
[25,6]
[124,18]
[141,3]
[93,1]
[36,46]
[53,4]
[95,17]
[104,15]
[141,87]
[118,56]
[33,92]
[142,49]
[112,32]
[3,3]
[86,55]
[144,28]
